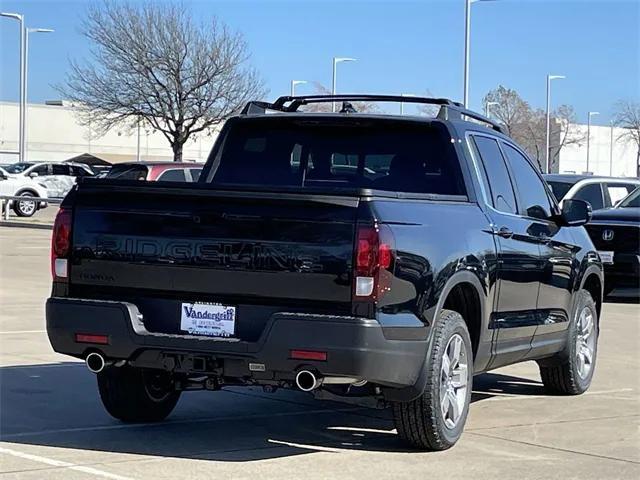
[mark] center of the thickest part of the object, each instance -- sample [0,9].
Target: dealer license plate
[606,257]
[209,319]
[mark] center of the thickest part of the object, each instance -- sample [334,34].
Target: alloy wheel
[585,342]
[453,381]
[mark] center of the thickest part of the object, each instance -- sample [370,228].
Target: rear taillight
[61,245]
[374,258]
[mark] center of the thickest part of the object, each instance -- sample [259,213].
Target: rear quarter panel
[437,245]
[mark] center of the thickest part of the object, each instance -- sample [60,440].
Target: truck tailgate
[174,243]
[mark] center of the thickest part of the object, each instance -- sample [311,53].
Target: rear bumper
[356,347]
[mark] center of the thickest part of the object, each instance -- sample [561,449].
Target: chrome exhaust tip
[307,381]
[95,362]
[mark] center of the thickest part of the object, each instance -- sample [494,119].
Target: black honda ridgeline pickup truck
[374,258]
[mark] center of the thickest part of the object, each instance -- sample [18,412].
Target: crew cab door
[519,263]
[557,251]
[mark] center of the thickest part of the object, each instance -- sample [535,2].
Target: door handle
[504,232]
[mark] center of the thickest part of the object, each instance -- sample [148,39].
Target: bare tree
[151,62]
[528,127]
[509,109]
[627,116]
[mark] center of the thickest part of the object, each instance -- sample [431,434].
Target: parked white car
[600,192]
[21,186]
[57,177]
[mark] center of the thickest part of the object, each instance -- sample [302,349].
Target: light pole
[547,144]
[611,151]
[402,103]
[26,83]
[589,135]
[487,107]
[293,86]
[336,61]
[21,109]
[467,46]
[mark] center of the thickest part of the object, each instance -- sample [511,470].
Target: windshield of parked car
[632,200]
[560,189]
[18,167]
[339,154]
[128,172]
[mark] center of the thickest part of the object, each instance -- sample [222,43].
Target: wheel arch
[464,294]
[467,284]
[592,282]
[26,190]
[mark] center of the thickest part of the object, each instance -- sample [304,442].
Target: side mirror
[575,212]
[33,174]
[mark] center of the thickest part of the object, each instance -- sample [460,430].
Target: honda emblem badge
[607,235]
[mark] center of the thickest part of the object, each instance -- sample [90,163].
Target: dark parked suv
[355,256]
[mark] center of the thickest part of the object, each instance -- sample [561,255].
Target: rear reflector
[60,267]
[90,338]
[308,355]
[364,286]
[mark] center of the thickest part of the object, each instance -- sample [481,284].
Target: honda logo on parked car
[607,235]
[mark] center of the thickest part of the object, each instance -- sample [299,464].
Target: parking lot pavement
[52,424]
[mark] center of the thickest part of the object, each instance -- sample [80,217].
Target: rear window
[173,175]
[345,153]
[128,172]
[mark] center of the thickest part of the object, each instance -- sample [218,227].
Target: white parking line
[9,332]
[58,463]
[499,397]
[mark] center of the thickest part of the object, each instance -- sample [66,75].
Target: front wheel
[571,372]
[25,208]
[435,420]
[137,395]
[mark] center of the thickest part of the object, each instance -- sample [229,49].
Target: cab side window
[591,193]
[173,175]
[60,169]
[42,170]
[534,200]
[495,174]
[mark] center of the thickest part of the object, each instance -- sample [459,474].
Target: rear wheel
[25,208]
[137,395]
[435,420]
[571,372]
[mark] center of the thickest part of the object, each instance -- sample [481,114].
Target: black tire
[562,374]
[136,395]
[22,209]
[421,422]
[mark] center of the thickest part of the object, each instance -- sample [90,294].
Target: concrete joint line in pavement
[60,464]
[553,422]
[557,449]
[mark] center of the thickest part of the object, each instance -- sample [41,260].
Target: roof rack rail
[449,110]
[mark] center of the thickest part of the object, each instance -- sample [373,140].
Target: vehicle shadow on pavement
[57,405]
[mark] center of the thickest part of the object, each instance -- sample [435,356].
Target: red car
[156,171]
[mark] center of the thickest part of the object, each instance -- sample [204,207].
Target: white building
[623,162]
[53,133]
